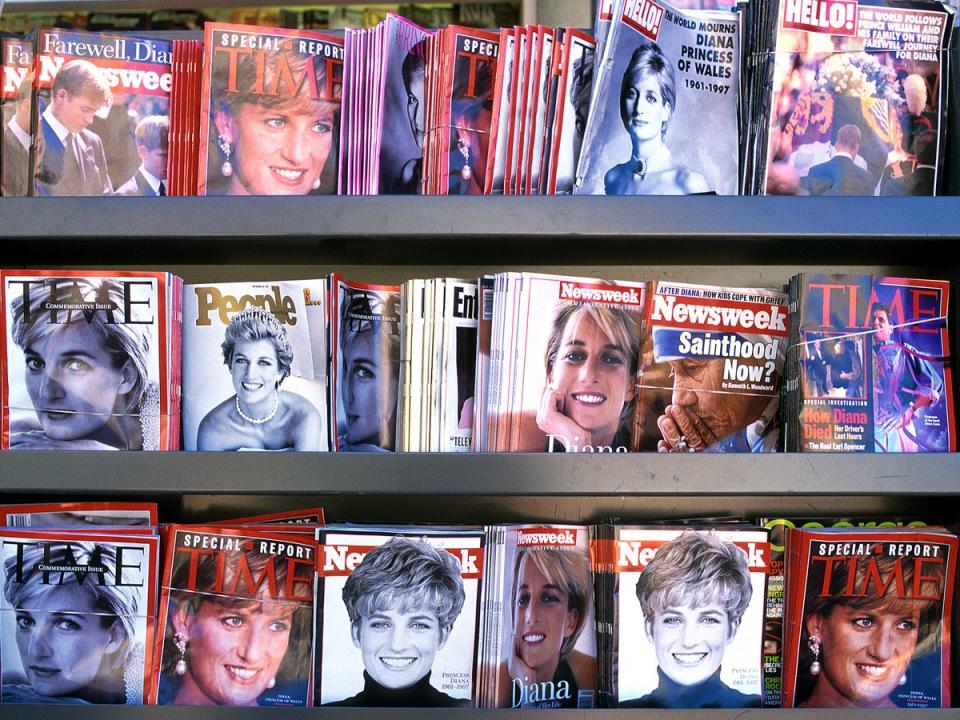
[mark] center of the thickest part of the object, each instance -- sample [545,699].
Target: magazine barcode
[18,521]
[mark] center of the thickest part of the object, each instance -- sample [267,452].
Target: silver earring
[272,683]
[226,147]
[180,641]
[902,680]
[316,184]
[814,644]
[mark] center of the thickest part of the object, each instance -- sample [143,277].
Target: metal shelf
[467,475]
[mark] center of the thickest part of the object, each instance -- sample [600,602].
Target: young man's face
[398,648]
[74,111]
[155,161]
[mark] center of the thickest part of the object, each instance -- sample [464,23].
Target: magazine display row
[836,97]
[515,362]
[100,605]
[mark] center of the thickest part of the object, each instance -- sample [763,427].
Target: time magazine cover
[402,125]
[858,103]
[101,119]
[870,365]
[16,87]
[572,373]
[76,616]
[91,360]
[500,116]
[868,618]
[666,75]
[544,620]
[572,108]
[776,596]
[235,622]
[255,366]
[712,367]
[365,365]
[398,616]
[80,515]
[689,608]
[270,111]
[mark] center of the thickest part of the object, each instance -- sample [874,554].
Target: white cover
[207,380]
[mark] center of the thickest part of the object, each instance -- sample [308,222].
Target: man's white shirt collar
[154,182]
[58,127]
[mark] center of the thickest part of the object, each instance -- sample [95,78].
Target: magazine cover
[90,360]
[365,365]
[255,366]
[306,516]
[575,365]
[16,87]
[79,515]
[712,368]
[398,616]
[776,596]
[689,611]
[872,365]
[667,74]
[76,616]
[458,365]
[500,116]
[548,646]
[270,111]
[571,110]
[403,126]
[858,104]
[467,108]
[868,618]
[102,113]
[235,622]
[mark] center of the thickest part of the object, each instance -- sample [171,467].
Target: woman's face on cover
[592,373]
[415,106]
[370,389]
[254,369]
[232,652]
[398,648]
[643,107]
[864,654]
[72,382]
[689,641]
[282,151]
[63,651]
[542,617]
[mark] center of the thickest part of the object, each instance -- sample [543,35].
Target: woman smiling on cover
[259,416]
[591,359]
[647,102]
[272,144]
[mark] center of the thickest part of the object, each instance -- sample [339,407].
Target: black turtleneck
[420,694]
[711,693]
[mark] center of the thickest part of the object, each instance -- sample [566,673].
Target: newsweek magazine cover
[76,616]
[83,515]
[688,611]
[270,111]
[713,362]
[572,107]
[91,360]
[568,385]
[16,87]
[858,104]
[868,618]
[235,622]
[402,124]
[665,75]
[776,595]
[870,365]
[101,118]
[398,616]
[543,619]
[365,365]
[255,366]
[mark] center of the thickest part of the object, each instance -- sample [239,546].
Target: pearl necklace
[266,418]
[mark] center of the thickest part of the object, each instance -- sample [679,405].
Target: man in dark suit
[151,137]
[73,161]
[16,144]
[840,175]
[921,180]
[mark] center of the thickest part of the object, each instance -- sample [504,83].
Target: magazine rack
[736,241]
